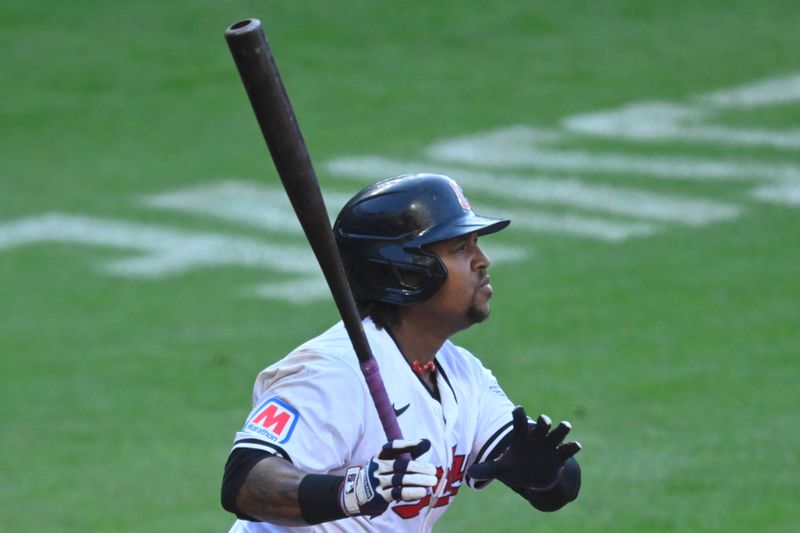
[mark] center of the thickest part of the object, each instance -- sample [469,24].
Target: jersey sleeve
[307,409]
[494,422]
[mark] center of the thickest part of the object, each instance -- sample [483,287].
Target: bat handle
[382,404]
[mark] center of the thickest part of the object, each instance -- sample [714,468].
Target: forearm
[260,487]
[270,492]
[263,488]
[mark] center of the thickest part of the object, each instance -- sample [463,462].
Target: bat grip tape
[381,400]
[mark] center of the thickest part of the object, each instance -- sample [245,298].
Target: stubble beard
[476,315]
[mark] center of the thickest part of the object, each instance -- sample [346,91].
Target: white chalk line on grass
[241,201]
[300,291]
[525,146]
[692,121]
[762,93]
[163,251]
[784,193]
[582,226]
[570,192]
[661,121]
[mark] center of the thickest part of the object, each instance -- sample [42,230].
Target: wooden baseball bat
[275,116]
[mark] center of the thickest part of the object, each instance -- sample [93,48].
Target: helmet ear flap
[427,282]
[406,280]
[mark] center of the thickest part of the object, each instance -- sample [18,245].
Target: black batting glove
[535,458]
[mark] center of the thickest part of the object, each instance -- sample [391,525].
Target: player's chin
[478,312]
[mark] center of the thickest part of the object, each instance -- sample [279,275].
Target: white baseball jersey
[314,409]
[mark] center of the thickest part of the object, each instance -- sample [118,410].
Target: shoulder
[459,355]
[461,362]
[326,358]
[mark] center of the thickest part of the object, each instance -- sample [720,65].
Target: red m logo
[271,416]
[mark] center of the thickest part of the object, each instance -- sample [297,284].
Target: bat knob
[243,26]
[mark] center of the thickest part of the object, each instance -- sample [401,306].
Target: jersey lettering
[274,420]
[454,478]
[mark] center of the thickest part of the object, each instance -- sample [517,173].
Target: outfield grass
[673,354]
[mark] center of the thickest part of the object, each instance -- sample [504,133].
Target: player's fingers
[398,446]
[414,480]
[420,467]
[557,435]
[386,467]
[420,448]
[567,450]
[395,448]
[403,466]
[410,494]
[543,424]
[520,420]
[388,492]
[407,494]
[407,479]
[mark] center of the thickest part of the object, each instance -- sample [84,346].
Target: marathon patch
[273,420]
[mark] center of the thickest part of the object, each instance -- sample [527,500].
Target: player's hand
[535,458]
[368,489]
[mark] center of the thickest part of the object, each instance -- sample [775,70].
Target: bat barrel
[264,87]
[272,108]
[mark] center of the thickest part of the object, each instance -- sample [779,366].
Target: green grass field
[656,305]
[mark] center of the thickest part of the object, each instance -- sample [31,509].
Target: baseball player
[312,454]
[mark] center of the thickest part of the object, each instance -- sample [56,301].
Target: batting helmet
[383,230]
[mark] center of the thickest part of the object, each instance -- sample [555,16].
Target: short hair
[384,315]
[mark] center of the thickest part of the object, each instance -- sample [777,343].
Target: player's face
[464,297]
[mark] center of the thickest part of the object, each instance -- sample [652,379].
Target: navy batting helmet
[382,232]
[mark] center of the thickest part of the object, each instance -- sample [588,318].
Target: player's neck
[408,348]
[418,341]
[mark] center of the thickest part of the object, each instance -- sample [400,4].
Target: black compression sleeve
[564,492]
[239,464]
[318,496]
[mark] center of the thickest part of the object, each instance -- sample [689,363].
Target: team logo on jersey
[460,195]
[273,420]
[452,479]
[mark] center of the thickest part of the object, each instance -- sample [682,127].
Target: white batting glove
[370,488]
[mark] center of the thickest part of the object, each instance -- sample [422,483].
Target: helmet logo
[459,194]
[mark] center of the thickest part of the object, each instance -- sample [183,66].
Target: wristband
[318,498]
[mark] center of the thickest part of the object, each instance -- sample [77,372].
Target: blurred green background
[673,354]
